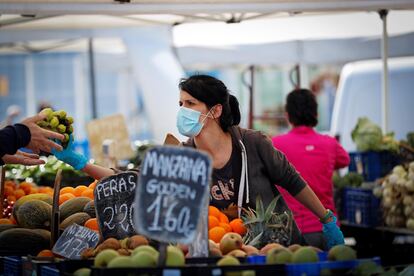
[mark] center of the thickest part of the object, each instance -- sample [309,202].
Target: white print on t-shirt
[310,147]
[223,191]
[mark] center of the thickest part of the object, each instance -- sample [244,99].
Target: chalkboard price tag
[114,198]
[173,185]
[74,240]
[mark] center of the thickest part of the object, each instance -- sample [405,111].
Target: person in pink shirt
[315,157]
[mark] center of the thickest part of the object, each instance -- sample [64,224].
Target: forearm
[97,172]
[309,199]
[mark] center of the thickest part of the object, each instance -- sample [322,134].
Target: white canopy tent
[286,35]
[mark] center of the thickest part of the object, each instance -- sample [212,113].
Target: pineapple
[266,226]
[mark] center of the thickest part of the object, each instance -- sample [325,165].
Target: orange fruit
[8,190]
[216,233]
[5,221]
[26,187]
[45,253]
[88,193]
[92,224]
[213,211]
[11,198]
[212,222]
[34,190]
[223,218]
[19,193]
[238,226]
[79,190]
[65,197]
[93,184]
[66,190]
[226,227]
[10,183]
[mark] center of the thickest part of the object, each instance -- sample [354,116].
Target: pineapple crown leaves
[264,225]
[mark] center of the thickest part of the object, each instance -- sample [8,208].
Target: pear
[82,272]
[104,257]
[214,252]
[120,261]
[146,248]
[228,260]
[144,259]
[175,257]
[279,256]
[230,241]
[305,254]
[294,247]
[341,253]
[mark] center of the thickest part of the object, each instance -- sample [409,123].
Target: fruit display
[45,174]
[57,121]
[397,193]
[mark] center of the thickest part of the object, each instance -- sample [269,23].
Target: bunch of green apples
[59,122]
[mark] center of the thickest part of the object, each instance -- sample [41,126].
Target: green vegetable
[367,135]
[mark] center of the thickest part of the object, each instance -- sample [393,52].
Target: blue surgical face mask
[188,123]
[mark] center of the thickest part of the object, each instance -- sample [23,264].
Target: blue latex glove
[70,156]
[333,235]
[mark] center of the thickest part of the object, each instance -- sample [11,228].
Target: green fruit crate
[327,267]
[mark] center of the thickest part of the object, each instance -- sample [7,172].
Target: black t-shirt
[225,184]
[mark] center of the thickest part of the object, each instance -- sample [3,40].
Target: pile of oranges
[14,191]
[219,224]
[67,193]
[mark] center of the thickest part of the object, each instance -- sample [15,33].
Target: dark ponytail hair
[302,108]
[212,91]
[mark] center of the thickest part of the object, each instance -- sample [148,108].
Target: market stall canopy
[192,7]
[312,39]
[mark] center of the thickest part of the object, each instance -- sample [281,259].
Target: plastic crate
[49,271]
[12,266]
[316,269]
[32,266]
[372,164]
[361,207]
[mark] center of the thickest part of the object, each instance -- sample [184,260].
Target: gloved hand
[70,156]
[333,235]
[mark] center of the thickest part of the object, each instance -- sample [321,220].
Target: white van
[359,94]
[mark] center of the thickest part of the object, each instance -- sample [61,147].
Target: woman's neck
[215,141]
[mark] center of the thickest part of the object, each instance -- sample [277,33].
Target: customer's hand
[41,138]
[70,156]
[23,158]
[331,232]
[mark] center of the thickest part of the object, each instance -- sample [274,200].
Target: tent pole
[251,98]
[92,77]
[384,53]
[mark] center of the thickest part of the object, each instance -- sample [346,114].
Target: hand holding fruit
[57,121]
[41,139]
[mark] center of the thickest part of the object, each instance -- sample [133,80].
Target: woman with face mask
[245,163]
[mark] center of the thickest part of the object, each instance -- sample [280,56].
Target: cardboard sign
[113,128]
[74,240]
[114,198]
[173,187]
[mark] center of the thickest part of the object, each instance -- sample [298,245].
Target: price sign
[74,240]
[114,197]
[173,186]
